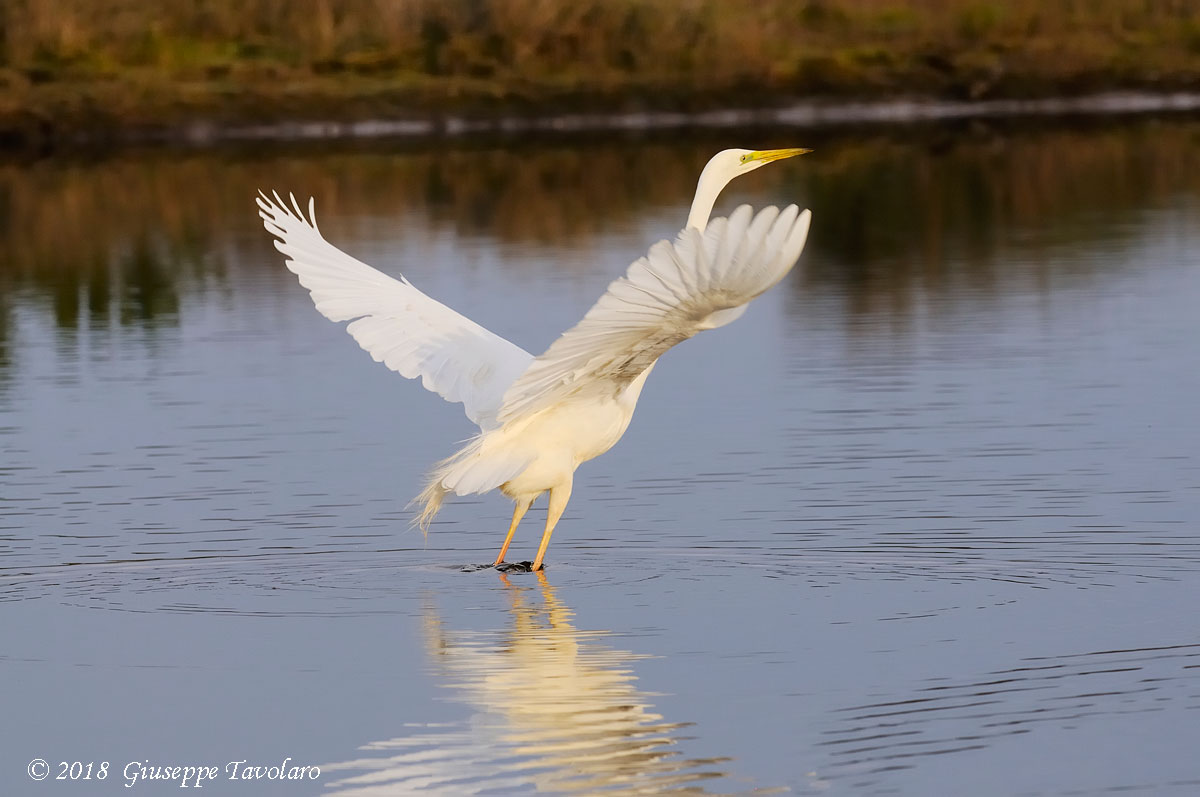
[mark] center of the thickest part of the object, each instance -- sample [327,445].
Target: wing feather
[394,322]
[699,281]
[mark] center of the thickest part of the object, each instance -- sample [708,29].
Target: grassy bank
[111,67]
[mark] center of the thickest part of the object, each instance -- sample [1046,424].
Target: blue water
[924,521]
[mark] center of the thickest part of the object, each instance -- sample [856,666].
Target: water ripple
[956,714]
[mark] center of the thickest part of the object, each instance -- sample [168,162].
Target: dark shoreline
[799,115]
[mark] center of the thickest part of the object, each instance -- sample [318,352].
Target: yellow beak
[768,155]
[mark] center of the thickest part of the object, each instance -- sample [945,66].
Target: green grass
[96,65]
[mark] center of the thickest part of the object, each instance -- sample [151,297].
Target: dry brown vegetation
[129,62]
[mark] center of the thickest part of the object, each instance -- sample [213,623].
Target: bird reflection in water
[556,710]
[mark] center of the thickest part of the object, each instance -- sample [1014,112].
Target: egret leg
[558,502]
[518,513]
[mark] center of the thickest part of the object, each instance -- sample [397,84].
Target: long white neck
[712,182]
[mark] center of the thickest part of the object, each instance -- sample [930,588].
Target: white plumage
[539,418]
[699,281]
[398,325]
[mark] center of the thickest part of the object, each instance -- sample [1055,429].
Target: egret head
[730,163]
[722,168]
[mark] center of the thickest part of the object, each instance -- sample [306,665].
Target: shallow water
[924,521]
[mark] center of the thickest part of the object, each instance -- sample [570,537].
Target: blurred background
[101,68]
[955,448]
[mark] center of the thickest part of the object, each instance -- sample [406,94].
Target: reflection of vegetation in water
[896,220]
[128,240]
[543,194]
[882,200]
[554,706]
[101,245]
[5,345]
[555,194]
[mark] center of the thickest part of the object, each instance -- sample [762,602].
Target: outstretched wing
[397,324]
[700,281]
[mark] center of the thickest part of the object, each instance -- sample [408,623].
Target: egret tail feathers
[469,470]
[431,503]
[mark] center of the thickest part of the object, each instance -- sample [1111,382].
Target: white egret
[540,417]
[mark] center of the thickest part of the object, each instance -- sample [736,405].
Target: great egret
[540,417]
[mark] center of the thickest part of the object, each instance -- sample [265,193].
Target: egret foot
[474,568]
[515,567]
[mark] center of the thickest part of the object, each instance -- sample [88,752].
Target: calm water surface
[924,521]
